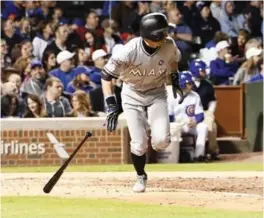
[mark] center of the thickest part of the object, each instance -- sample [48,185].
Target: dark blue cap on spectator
[78,21]
[64,21]
[196,66]
[36,63]
[81,69]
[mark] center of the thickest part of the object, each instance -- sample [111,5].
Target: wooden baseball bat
[54,179]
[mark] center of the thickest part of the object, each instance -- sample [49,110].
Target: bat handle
[87,135]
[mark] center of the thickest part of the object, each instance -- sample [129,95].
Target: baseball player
[144,65]
[207,94]
[190,113]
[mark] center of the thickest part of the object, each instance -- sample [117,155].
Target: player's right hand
[112,114]
[192,123]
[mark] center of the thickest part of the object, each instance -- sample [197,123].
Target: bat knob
[46,191]
[89,134]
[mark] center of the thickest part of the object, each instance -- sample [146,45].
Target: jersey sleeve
[212,94]
[170,108]
[175,52]
[177,107]
[198,105]
[173,105]
[210,91]
[118,62]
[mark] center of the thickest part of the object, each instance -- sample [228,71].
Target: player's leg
[212,142]
[136,121]
[201,131]
[159,122]
[212,134]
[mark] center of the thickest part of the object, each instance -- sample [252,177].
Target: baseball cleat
[141,183]
[201,159]
[215,157]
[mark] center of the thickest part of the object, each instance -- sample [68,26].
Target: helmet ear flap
[157,37]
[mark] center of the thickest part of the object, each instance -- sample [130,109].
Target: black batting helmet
[153,26]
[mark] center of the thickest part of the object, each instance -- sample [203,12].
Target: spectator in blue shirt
[64,72]
[181,33]
[99,58]
[108,5]
[223,67]
[81,81]
[14,8]
[31,8]
[258,77]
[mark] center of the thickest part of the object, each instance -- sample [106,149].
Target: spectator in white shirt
[42,39]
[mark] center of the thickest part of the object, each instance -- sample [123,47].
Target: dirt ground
[224,190]
[243,157]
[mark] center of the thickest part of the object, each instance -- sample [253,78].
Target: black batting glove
[112,113]
[176,88]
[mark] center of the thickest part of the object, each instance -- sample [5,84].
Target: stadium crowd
[51,62]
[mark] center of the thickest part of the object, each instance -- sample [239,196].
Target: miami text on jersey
[152,72]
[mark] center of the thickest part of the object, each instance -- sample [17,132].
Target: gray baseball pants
[143,109]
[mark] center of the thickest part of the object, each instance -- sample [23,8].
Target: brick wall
[101,148]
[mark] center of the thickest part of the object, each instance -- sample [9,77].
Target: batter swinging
[143,65]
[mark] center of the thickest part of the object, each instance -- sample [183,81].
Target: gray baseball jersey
[141,71]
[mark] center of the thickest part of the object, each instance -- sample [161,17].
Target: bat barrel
[54,179]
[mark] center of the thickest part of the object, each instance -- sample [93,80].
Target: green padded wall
[254,115]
